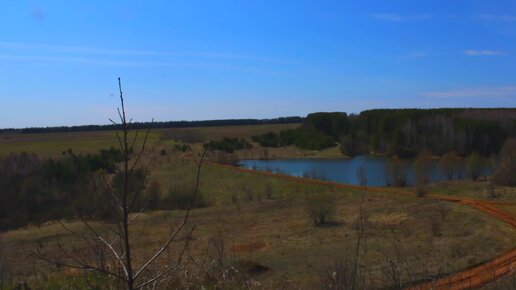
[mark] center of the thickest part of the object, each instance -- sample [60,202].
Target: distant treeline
[159,125]
[402,132]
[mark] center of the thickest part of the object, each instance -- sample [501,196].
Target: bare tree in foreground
[350,272]
[108,248]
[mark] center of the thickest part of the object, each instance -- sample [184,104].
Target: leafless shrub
[350,272]
[107,248]
[321,208]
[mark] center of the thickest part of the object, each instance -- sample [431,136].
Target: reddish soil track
[249,248]
[474,277]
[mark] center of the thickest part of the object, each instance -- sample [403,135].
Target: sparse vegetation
[321,208]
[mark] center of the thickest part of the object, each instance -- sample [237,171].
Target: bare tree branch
[185,219]
[119,196]
[170,268]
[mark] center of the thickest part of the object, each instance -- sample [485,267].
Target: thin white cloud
[487,92]
[501,18]
[70,49]
[475,52]
[92,61]
[399,18]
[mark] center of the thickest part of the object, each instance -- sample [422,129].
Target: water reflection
[345,170]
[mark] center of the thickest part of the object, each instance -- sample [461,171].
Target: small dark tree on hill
[110,251]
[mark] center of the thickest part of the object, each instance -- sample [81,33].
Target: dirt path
[471,278]
[484,273]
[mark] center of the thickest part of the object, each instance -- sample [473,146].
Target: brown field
[259,222]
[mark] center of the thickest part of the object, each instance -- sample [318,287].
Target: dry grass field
[277,235]
[258,224]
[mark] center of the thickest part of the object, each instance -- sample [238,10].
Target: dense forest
[33,190]
[402,132]
[159,125]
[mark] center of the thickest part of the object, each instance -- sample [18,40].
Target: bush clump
[180,197]
[269,139]
[321,208]
[304,138]
[228,145]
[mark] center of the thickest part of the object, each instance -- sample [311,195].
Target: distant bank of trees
[160,125]
[408,132]
[402,132]
[319,131]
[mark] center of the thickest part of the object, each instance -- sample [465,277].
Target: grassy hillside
[277,235]
[261,223]
[256,227]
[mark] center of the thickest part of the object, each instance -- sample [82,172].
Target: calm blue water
[342,170]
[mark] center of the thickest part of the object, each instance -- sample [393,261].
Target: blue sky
[191,60]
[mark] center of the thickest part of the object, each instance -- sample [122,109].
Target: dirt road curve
[471,278]
[484,273]
[474,277]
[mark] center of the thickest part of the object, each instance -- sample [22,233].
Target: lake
[344,170]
